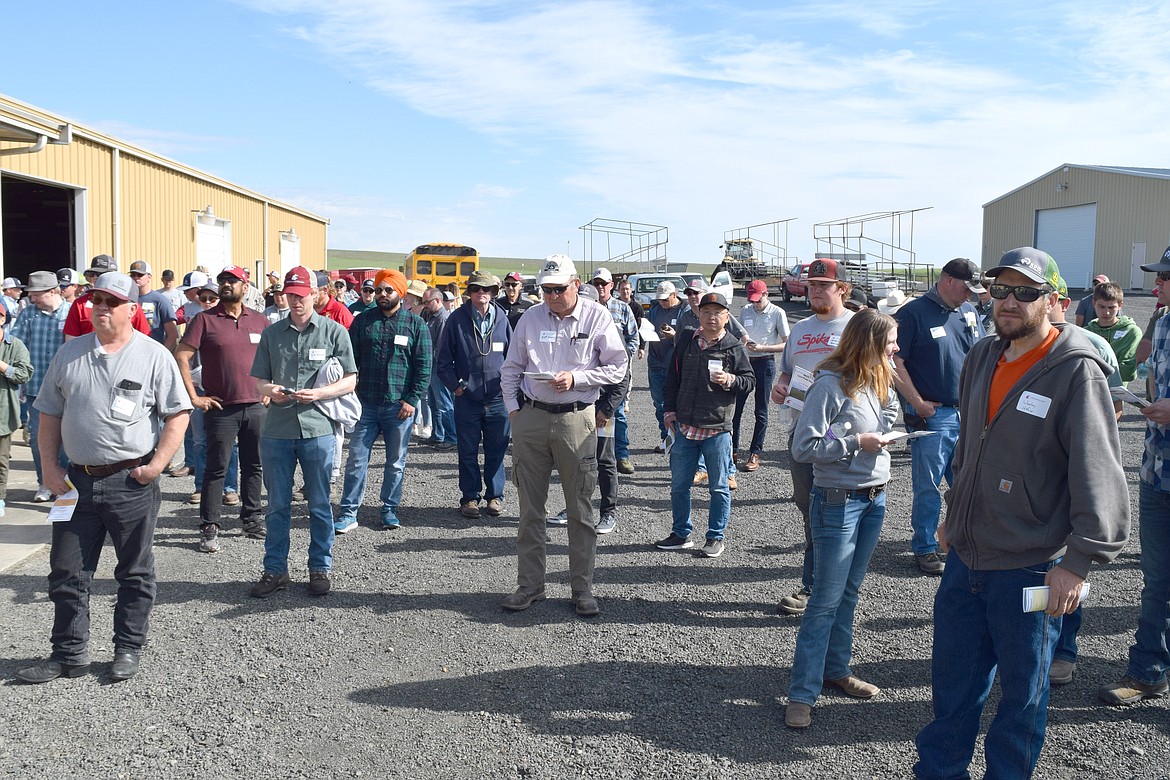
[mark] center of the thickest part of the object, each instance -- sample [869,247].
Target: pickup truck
[794,284]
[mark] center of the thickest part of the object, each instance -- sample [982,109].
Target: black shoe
[318,583]
[675,542]
[125,666]
[256,530]
[269,584]
[48,671]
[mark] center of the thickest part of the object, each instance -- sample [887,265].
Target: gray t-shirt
[810,342]
[111,406]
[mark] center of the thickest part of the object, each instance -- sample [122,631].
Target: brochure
[802,380]
[1124,394]
[1036,598]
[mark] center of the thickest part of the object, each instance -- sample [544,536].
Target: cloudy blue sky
[509,125]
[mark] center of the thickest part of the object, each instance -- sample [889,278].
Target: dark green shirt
[393,356]
[291,358]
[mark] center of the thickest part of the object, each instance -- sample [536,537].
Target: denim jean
[1066,643]
[930,462]
[196,460]
[607,473]
[119,506]
[802,482]
[657,380]
[228,432]
[684,462]
[978,625]
[844,535]
[621,432]
[1149,660]
[442,405]
[765,370]
[486,422]
[279,458]
[375,420]
[34,425]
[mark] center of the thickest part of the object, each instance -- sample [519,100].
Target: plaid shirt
[393,356]
[1154,458]
[43,334]
[694,432]
[623,317]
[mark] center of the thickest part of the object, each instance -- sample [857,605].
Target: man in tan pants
[563,351]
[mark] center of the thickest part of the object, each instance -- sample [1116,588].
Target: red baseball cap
[756,289]
[824,269]
[236,271]
[298,281]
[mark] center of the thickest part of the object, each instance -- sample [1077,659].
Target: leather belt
[577,406]
[113,468]
[837,495]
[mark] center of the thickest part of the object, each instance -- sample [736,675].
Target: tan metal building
[1093,219]
[68,192]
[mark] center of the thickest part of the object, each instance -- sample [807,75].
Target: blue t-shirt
[933,342]
[158,312]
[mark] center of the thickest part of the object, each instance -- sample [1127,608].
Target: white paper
[646,330]
[1036,597]
[62,509]
[900,436]
[1124,394]
[801,381]
[606,431]
[540,376]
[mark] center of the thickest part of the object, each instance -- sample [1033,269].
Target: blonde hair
[860,356]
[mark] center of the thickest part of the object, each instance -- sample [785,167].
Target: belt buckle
[87,471]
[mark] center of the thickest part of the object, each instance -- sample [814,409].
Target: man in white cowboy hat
[892,302]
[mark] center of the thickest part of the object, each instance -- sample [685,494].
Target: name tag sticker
[122,408]
[1034,404]
[317,353]
[548,337]
[674,322]
[970,315]
[497,346]
[834,340]
[747,323]
[254,338]
[1119,334]
[938,332]
[400,340]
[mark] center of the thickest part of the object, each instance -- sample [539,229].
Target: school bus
[440,263]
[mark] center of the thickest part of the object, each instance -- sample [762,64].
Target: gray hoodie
[1043,479]
[827,434]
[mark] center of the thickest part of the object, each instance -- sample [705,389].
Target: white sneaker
[425,432]
[1,508]
[560,518]
[43,495]
[414,429]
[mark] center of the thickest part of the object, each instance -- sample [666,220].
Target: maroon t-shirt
[226,349]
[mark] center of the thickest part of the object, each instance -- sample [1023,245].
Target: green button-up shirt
[291,358]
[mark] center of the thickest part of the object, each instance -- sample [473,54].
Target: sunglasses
[208,298]
[1022,293]
[474,288]
[511,284]
[558,290]
[383,290]
[228,280]
[106,300]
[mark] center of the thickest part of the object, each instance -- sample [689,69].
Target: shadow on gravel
[646,701]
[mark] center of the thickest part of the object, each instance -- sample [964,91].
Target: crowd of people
[1016,465]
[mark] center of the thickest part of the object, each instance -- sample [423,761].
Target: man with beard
[810,342]
[392,348]
[1039,494]
[226,338]
[935,333]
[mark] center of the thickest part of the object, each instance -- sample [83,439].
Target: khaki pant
[568,442]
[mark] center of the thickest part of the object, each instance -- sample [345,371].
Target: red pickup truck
[794,284]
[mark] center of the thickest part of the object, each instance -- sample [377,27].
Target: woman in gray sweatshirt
[846,422]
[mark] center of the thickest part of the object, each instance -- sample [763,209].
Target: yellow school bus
[440,263]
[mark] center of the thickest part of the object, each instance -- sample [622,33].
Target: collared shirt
[933,342]
[627,326]
[393,355]
[13,352]
[585,342]
[766,328]
[337,312]
[43,333]
[483,322]
[290,357]
[227,348]
[273,314]
[1155,468]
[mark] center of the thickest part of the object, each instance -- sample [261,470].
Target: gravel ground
[410,668]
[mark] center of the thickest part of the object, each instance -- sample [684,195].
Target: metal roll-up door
[1069,235]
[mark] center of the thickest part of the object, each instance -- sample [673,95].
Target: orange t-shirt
[1007,373]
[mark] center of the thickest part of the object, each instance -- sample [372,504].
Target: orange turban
[393,278]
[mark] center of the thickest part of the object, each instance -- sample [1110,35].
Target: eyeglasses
[106,300]
[558,290]
[383,290]
[208,298]
[1023,293]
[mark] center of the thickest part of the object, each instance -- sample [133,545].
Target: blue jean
[119,506]
[657,380]
[1066,643]
[395,434]
[621,433]
[844,536]
[765,370]
[477,421]
[1149,659]
[930,462]
[34,425]
[442,412]
[279,458]
[978,625]
[684,462]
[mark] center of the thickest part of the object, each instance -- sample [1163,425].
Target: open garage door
[38,222]
[1070,236]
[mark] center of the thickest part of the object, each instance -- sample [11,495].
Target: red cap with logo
[756,289]
[236,271]
[298,281]
[824,269]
